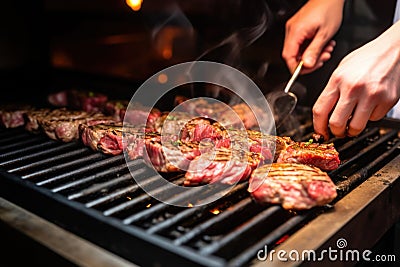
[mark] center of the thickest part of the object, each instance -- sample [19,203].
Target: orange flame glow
[215,211]
[134,4]
[190,205]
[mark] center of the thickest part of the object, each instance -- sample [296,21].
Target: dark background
[49,45]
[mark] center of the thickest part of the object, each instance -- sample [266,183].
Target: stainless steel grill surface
[95,197]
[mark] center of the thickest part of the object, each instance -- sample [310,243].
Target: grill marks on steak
[31,119]
[169,155]
[258,145]
[63,124]
[226,166]
[198,129]
[323,156]
[294,186]
[108,138]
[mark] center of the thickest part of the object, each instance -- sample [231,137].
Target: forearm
[391,37]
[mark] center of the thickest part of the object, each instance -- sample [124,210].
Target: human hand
[315,23]
[365,86]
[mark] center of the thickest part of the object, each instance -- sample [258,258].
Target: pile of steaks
[279,169]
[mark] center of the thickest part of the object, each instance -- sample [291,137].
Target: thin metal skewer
[294,76]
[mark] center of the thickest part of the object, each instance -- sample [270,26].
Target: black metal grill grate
[94,196]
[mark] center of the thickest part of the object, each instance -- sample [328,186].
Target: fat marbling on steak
[323,156]
[62,124]
[167,154]
[293,185]
[222,165]
[108,138]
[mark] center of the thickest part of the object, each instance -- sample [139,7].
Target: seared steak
[170,155]
[138,114]
[241,114]
[199,128]
[32,117]
[95,137]
[135,142]
[171,123]
[266,144]
[116,109]
[200,106]
[224,165]
[202,128]
[12,116]
[228,116]
[294,186]
[63,125]
[108,137]
[323,156]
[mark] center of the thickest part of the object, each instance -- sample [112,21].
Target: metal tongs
[284,102]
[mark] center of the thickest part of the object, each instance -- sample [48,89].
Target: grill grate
[108,208]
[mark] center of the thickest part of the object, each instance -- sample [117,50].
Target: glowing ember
[190,205]
[134,4]
[215,211]
[148,206]
[283,239]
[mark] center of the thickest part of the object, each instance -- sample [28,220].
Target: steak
[12,116]
[294,186]
[226,166]
[58,99]
[108,137]
[171,123]
[202,128]
[199,128]
[135,143]
[241,114]
[63,124]
[200,106]
[170,155]
[32,117]
[323,156]
[88,101]
[266,144]
[94,136]
[116,109]
[228,116]
[138,114]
